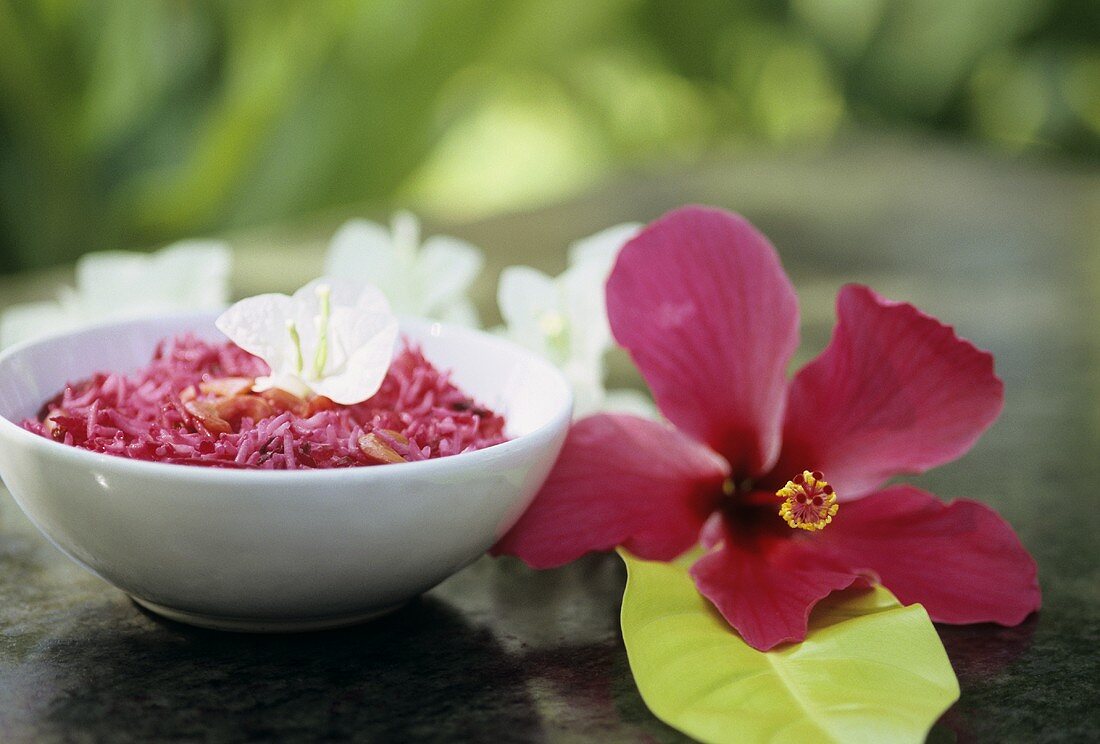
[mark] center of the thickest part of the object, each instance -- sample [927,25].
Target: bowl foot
[263,625]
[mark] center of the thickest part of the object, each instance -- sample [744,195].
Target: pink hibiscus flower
[702,304]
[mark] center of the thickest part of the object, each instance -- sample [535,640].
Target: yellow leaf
[870,670]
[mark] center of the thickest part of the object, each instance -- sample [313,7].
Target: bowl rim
[50,448]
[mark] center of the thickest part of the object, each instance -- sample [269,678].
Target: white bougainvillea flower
[113,285]
[564,319]
[590,262]
[334,337]
[603,246]
[429,280]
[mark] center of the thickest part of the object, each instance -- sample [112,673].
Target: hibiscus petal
[620,480]
[701,302]
[961,560]
[896,391]
[765,585]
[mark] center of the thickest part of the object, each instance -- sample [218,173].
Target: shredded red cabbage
[193,405]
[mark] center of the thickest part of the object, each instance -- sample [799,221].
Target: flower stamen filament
[324,294]
[296,341]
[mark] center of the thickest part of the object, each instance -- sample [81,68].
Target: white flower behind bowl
[427,280]
[564,319]
[114,285]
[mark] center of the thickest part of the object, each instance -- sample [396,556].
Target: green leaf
[869,670]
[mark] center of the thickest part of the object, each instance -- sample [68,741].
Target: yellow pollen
[809,502]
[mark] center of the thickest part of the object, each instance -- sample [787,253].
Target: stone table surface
[1008,252]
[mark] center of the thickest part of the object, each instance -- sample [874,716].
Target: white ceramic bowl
[273,551]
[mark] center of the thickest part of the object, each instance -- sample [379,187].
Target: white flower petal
[258,325]
[565,318]
[524,293]
[343,353]
[425,281]
[287,381]
[446,268]
[364,250]
[120,284]
[462,312]
[605,245]
[630,401]
[182,276]
[358,375]
[405,229]
[31,320]
[344,292]
[584,285]
[530,303]
[195,272]
[108,282]
[583,289]
[586,379]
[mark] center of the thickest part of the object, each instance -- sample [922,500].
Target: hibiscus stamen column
[810,502]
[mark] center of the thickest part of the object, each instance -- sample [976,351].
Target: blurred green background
[128,124]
